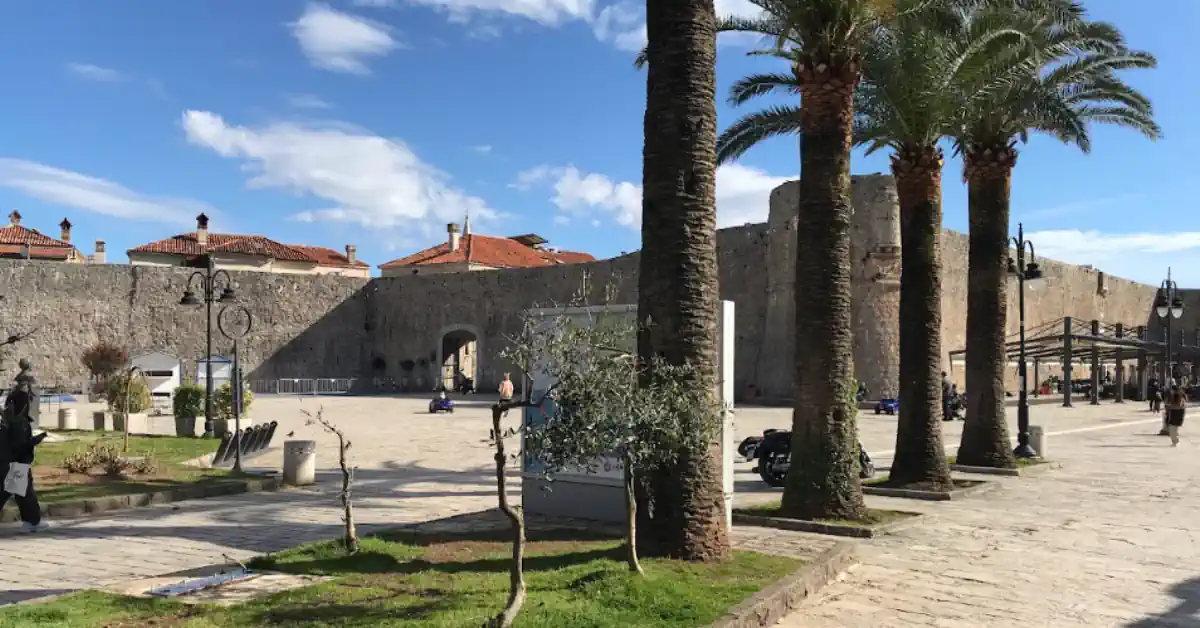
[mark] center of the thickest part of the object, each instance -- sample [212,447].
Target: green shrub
[125,396]
[188,401]
[223,401]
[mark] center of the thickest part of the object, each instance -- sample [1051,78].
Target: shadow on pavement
[24,595]
[1185,614]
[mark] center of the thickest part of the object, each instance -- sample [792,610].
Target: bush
[223,401]
[125,396]
[104,359]
[188,402]
[80,462]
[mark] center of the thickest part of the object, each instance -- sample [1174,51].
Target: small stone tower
[875,287]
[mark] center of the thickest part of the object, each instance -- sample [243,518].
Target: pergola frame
[1068,340]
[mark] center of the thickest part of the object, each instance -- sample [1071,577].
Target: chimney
[202,230]
[467,225]
[351,253]
[452,232]
[66,230]
[98,256]
[14,219]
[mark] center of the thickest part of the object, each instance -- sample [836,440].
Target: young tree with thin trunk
[678,292]
[350,531]
[608,408]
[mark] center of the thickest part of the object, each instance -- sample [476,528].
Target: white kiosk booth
[222,368]
[600,496]
[163,373]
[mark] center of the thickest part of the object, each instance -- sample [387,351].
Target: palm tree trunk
[823,481]
[678,297]
[989,182]
[920,455]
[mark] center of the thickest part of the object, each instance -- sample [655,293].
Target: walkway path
[1107,540]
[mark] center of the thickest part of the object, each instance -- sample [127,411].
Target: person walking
[1176,407]
[947,387]
[17,444]
[506,389]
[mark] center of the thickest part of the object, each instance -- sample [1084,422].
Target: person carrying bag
[17,444]
[1176,407]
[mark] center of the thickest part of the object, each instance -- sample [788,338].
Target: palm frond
[755,127]
[755,85]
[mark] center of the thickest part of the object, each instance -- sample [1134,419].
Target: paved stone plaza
[1108,539]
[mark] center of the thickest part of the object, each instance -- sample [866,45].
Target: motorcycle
[441,403]
[773,452]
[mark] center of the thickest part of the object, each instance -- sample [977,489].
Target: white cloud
[623,25]
[370,180]
[81,191]
[743,193]
[544,12]
[95,73]
[307,101]
[1141,256]
[375,4]
[482,149]
[340,42]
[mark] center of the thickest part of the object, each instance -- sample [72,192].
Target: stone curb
[1032,469]
[98,505]
[772,603]
[832,529]
[930,496]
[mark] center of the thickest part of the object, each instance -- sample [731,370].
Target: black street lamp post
[208,287]
[235,331]
[1023,271]
[1168,305]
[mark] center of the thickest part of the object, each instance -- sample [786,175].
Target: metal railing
[302,386]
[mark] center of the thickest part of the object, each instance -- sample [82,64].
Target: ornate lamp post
[1023,271]
[1168,305]
[208,288]
[236,330]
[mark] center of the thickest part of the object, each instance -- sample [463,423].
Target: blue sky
[375,122]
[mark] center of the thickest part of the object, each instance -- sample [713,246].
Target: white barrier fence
[305,386]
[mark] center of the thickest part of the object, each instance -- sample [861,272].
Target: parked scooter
[773,452]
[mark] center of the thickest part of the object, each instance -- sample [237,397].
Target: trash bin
[68,419]
[299,462]
[1037,439]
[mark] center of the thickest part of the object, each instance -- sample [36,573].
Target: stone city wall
[337,327]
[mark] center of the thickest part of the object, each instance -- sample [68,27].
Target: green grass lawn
[875,516]
[391,582]
[54,484]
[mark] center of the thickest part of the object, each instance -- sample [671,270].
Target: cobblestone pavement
[416,467]
[1107,538]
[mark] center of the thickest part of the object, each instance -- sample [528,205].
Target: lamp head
[1012,267]
[189,298]
[1161,306]
[1177,307]
[227,295]
[1033,271]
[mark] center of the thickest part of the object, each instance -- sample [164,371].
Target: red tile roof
[257,246]
[14,239]
[490,251]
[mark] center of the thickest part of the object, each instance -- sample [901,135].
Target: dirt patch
[956,484]
[170,621]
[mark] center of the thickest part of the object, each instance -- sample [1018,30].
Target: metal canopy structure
[1067,341]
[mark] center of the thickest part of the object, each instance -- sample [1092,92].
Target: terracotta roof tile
[490,251]
[259,246]
[14,239]
[329,257]
[16,234]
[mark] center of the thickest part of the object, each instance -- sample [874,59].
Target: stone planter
[189,426]
[220,427]
[68,419]
[138,422]
[102,421]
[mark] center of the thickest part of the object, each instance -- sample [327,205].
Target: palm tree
[823,40]
[677,282]
[1060,79]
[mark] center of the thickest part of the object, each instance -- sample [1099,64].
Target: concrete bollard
[67,419]
[1037,439]
[299,462]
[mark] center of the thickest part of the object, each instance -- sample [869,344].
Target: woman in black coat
[17,443]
